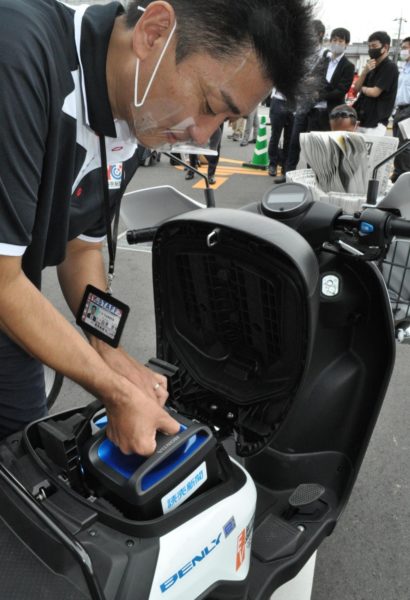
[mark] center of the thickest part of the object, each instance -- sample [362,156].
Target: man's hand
[152,384]
[132,425]
[369,66]
[134,395]
[133,422]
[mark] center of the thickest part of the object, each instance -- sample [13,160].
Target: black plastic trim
[66,539]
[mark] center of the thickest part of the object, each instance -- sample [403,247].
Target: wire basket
[396,273]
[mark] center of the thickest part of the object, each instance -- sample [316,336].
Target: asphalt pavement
[367,556]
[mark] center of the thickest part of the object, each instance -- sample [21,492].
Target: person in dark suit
[300,120]
[335,81]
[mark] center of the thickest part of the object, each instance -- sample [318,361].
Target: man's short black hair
[343,111]
[280,31]
[380,36]
[407,40]
[342,33]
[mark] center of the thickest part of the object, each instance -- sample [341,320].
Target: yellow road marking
[221,170]
[201,184]
[224,172]
[231,160]
[243,171]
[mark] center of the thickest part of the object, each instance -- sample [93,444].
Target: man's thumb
[169,425]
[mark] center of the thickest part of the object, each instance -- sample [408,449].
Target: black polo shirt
[372,111]
[53,104]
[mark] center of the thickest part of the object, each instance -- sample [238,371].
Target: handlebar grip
[399,227]
[139,236]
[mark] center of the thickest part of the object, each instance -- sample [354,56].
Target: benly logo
[198,558]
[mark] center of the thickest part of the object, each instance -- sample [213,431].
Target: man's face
[188,101]
[377,49]
[405,51]
[338,41]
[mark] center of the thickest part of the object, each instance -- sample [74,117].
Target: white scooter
[276,334]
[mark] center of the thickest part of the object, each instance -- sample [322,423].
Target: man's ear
[153,29]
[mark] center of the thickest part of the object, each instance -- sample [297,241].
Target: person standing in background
[281,119]
[300,120]
[214,143]
[402,161]
[335,81]
[377,84]
[237,129]
[343,118]
[252,124]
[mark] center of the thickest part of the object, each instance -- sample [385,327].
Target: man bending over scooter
[78,89]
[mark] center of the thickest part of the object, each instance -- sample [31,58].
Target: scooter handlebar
[399,227]
[139,236]
[375,227]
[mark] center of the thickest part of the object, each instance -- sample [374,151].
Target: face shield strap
[137,103]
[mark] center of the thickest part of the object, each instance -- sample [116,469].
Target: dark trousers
[402,161]
[193,160]
[281,119]
[318,120]
[22,393]
[299,126]
[215,143]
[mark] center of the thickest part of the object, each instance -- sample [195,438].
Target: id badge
[102,315]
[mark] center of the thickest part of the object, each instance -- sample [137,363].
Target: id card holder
[102,315]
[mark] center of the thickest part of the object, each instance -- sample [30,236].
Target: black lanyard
[112,231]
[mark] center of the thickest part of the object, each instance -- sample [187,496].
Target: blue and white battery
[182,466]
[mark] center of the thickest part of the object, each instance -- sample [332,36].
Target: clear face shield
[170,123]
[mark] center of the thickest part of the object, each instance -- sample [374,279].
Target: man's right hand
[134,420]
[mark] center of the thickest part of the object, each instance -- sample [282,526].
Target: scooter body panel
[202,552]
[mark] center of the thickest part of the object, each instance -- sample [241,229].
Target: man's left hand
[153,384]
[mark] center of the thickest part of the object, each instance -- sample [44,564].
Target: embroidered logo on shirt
[114,176]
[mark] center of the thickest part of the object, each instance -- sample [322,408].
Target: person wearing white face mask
[402,161]
[79,88]
[336,81]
